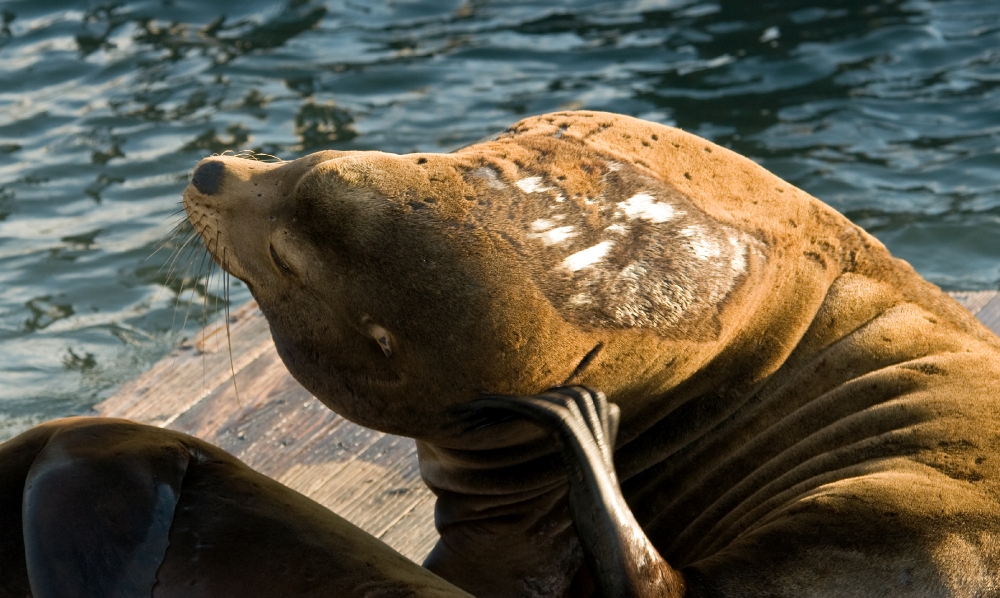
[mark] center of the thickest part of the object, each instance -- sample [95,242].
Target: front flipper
[620,554]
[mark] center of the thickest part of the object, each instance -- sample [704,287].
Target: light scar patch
[542,224]
[703,246]
[739,261]
[532,185]
[649,260]
[490,176]
[669,275]
[588,256]
[644,206]
[555,236]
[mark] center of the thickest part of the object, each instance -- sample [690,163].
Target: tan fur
[801,412]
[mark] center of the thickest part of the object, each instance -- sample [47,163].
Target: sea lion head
[387,313]
[398,287]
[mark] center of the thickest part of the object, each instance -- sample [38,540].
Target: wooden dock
[279,429]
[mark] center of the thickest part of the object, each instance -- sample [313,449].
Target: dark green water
[888,110]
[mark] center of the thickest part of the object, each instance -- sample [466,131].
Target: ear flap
[97,509]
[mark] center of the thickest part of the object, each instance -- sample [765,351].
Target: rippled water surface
[888,110]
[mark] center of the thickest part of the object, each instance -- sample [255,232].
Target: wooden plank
[194,370]
[278,428]
[990,314]
[974,301]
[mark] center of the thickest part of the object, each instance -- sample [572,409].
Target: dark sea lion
[117,509]
[800,413]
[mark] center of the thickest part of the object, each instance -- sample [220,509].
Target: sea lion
[104,507]
[800,412]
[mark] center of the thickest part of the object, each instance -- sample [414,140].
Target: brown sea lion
[800,413]
[102,507]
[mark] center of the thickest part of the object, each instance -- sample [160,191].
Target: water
[888,110]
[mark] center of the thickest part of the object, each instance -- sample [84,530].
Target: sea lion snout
[241,205]
[241,178]
[228,179]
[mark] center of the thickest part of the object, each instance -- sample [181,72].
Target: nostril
[206,178]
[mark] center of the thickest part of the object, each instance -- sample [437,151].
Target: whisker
[204,318]
[170,236]
[171,263]
[194,287]
[180,293]
[229,338]
[179,250]
[175,254]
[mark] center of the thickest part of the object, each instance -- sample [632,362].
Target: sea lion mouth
[204,216]
[204,224]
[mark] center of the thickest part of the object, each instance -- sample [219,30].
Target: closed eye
[278,262]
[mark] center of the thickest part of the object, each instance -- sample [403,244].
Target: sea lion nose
[207,177]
